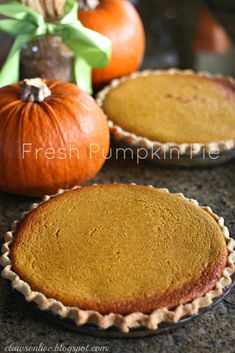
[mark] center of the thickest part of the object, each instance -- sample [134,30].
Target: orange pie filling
[178,108]
[119,248]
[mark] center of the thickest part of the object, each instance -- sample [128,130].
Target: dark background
[171,29]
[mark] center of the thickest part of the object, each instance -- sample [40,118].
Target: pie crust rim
[134,140]
[123,322]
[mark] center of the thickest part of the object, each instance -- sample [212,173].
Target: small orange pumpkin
[210,35]
[119,21]
[52,135]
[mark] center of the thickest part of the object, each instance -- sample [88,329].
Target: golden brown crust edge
[135,319]
[132,139]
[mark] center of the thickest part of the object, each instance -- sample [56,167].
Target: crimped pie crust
[132,139]
[123,322]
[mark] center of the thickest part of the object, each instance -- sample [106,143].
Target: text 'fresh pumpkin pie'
[172,109]
[121,255]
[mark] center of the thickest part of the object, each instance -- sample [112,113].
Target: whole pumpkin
[210,36]
[52,135]
[119,21]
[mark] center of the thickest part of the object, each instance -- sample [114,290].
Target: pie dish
[176,113]
[119,255]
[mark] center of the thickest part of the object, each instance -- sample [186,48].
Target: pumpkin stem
[88,4]
[34,90]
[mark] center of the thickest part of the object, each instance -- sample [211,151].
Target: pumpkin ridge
[69,117]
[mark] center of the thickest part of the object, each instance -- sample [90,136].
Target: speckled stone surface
[21,324]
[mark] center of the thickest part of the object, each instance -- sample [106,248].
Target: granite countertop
[22,324]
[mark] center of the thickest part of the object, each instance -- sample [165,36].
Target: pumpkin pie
[172,109]
[122,255]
